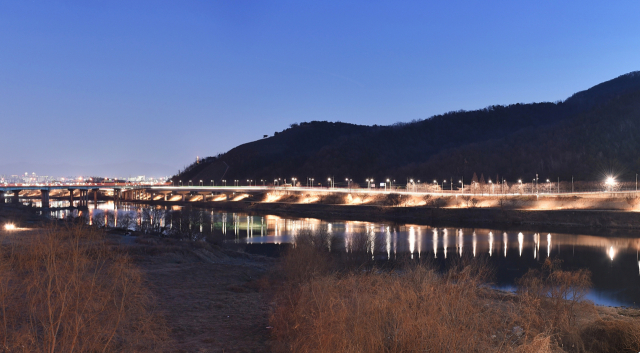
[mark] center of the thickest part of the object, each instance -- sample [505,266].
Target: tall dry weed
[412,310]
[333,307]
[65,289]
[549,298]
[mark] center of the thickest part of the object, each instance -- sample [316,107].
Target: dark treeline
[591,134]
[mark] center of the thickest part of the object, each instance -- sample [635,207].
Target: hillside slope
[591,133]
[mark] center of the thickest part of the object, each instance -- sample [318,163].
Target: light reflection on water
[613,261]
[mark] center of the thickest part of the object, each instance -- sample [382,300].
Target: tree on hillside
[474,183]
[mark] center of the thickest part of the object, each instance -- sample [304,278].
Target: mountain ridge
[590,133]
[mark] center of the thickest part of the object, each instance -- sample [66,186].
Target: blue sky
[91,83]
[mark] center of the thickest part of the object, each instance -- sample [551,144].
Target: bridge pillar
[183,197]
[16,197]
[44,196]
[82,201]
[116,196]
[166,197]
[71,197]
[95,198]
[1,196]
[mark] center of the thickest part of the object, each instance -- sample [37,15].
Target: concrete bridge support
[117,194]
[71,197]
[84,198]
[44,196]
[95,198]
[1,197]
[16,197]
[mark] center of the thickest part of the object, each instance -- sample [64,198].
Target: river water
[613,260]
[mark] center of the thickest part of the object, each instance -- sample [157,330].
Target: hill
[592,133]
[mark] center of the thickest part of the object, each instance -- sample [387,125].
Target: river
[613,260]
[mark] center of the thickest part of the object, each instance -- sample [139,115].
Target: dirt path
[210,307]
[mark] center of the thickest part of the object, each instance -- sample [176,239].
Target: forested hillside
[589,134]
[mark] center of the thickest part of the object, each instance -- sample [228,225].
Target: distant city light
[9,226]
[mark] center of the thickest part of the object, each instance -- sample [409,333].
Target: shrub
[65,289]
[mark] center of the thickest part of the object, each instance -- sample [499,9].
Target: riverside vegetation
[66,288]
[69,287]
[344,303]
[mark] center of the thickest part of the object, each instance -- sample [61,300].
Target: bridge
[83,188]
[142,191]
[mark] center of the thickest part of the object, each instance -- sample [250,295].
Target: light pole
[520,182]
[225,183]
[263,182]
[413,185]
[190,183]
[549,184]
[201,183]
[212,183]
[368,184]
[444,181]
[385,185]
[312,179]
[293,181]
[491,183]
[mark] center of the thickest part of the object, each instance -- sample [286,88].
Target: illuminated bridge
[164,192]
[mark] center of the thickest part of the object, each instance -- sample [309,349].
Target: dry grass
[321,307]
[65,289]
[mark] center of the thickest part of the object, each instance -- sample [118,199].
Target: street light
[225,183]
[549,185]
[201,184]
[293,181]
[610,182]
[461,183]
[179,182]
[212,183]
[190,183]
[385,185]
[331,183]
[444,181]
